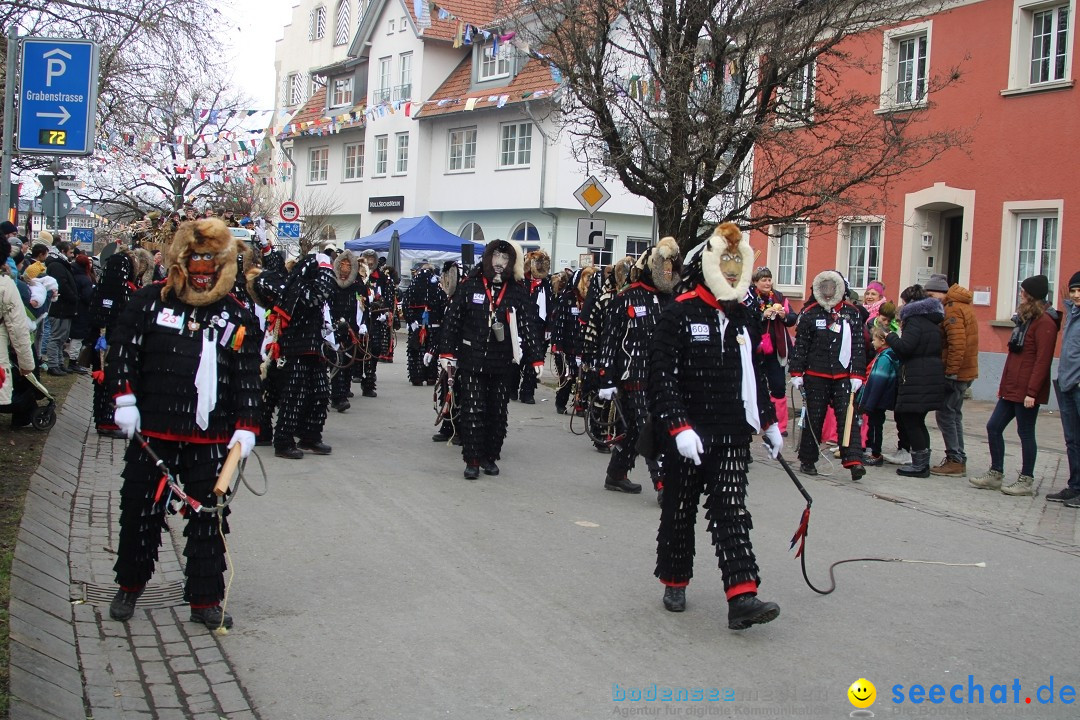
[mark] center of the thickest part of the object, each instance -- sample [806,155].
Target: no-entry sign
[289,211]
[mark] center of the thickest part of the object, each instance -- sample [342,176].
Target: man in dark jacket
[63,309]
[829,361]
[490,327]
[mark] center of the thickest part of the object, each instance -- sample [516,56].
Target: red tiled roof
[534,77]
[479,13]
[313,111]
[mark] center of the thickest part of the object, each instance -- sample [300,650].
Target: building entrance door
[953,226]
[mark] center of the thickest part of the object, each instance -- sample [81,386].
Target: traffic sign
[58,96]
[591,233]
[592,195]
[83,235]
[289,211]
[55,204]
[69,185]
[288,229]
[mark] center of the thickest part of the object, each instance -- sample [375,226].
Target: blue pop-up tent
[421,238]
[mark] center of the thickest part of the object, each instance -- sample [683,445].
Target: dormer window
[493,68]
[342,93]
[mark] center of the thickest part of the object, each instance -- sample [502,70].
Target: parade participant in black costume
[599,413]
[184,368]
[266,287]
[829,364]
[304,383]
[423,305]
[537,267]
[623,364]
[490,314]
[125,272]
[344,308]
[379,307]
[568,333]
[707,392]
[446,394]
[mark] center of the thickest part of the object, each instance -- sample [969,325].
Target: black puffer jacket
[921,384]
[67,305]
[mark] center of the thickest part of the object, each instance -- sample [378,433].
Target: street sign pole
[9,121]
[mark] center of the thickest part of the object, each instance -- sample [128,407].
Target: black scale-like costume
[380,306]
[344,303]
[158,363]
[542,297]
[304,383]
[695,375]
[424,303]
[568,337]
[485,366]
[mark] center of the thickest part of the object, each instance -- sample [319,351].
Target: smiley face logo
[862,693]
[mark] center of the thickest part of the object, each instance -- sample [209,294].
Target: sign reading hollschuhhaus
[383,204]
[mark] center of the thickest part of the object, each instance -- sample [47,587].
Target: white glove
[539,371]
[362,330]
[689,445]
[127,415]
[427,358]
[856,383]
[796,381]
[414,326]
[246,439]
[606,393]
[447,363]
[774,441]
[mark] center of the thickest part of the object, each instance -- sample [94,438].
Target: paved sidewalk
[68,659]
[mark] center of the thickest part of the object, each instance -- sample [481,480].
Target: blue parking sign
[58,96]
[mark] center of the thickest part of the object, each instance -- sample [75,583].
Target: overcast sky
[254,28]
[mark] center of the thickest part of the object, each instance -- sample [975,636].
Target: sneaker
[211,617]
[1022,486]
[990,480]
[674,599]
[1063,495]
[949,468]
[902,457]
[1072,502]
[746,610]
[122,606]
[873,460]
[621,484]
[78,369]
[836,453]
[808,468]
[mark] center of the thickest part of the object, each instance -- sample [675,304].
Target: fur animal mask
[829,289]
[660,266]
[537,264]
[515,268]
[345,269]
[201,262]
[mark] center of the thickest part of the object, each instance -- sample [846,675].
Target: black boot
[212,617]
[621,484]
[316,447]
[746,610]
[439,437]
[289,453]
[341,405]
[472,472]
[858,472]
[528,399]
[489,467]
[808,468]
[123,605]
[674,598]
[919,465]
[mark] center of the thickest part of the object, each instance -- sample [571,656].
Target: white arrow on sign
[63,115]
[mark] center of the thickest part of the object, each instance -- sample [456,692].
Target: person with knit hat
[1067,389]
[960,353]
[45,238]
[1025,385]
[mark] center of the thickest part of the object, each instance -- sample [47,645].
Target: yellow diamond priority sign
[592,195]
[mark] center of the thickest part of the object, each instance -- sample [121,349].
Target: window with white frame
[1040,56]
[343,92]
[354,160]
[493,66]
[1036,249]
[515,146]
[796,99]
[472,231]
[791,255]
[863,252]
[525,232]
[389,27]
[635,246]
[602,258]
[404,88]
[317,23]
[381,144]
[313,85]
[403,24]
[402,161]
[343,22]
[294,88]
[906,66]
[382,92]
[462,150]
[318,161]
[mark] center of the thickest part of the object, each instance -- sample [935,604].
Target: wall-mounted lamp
[927,241]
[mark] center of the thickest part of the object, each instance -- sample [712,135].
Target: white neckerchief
[749,382]
[206,379]
[845,342]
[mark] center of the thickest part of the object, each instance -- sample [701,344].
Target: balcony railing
[403,92]
[380,96]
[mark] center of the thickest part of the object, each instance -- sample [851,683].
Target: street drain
[158,596]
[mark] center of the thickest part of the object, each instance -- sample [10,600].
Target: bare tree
[682,99]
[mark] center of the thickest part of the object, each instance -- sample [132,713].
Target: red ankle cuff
[742,589]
